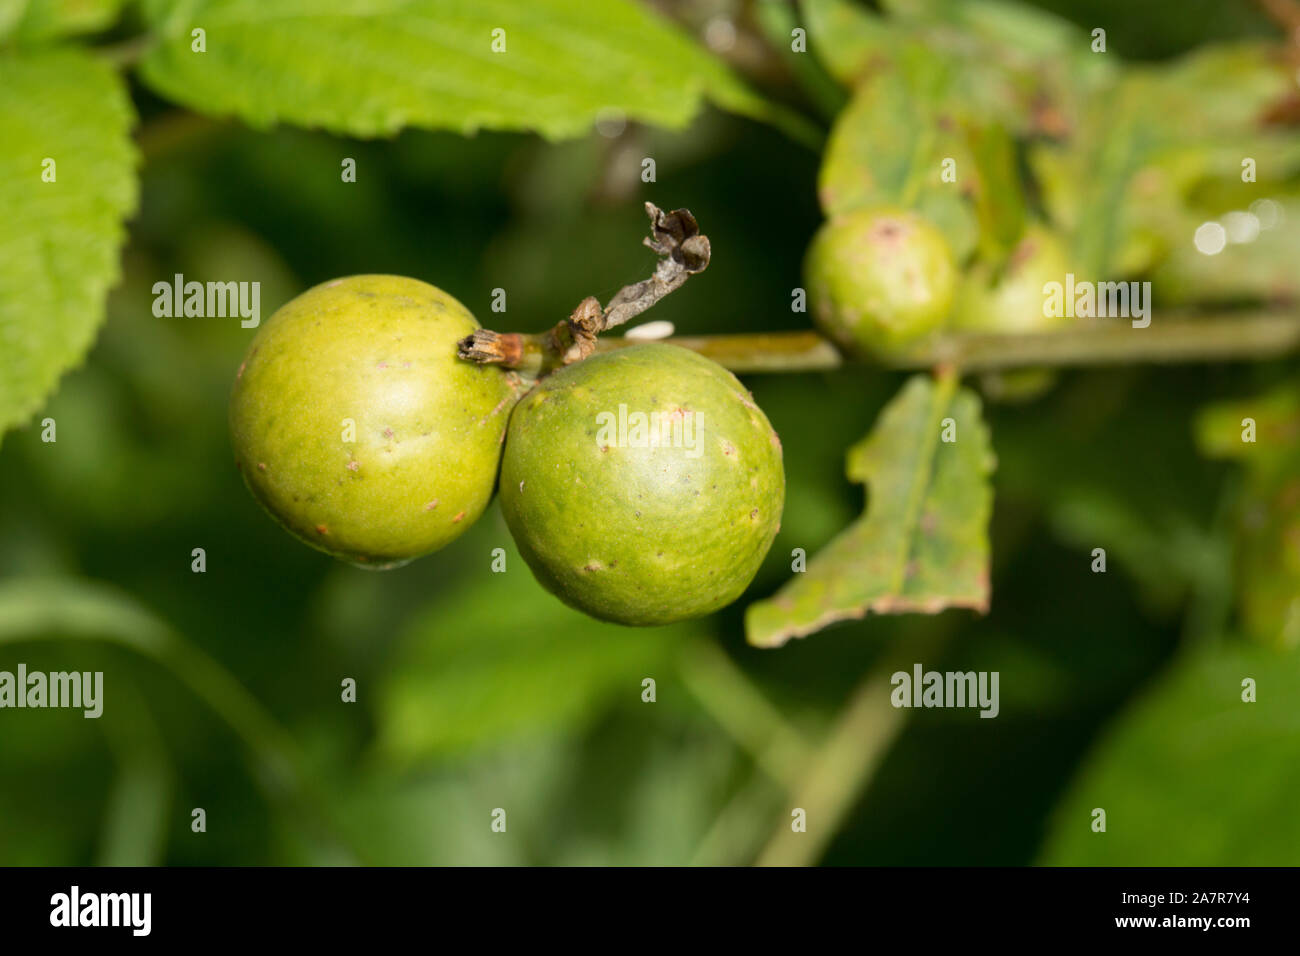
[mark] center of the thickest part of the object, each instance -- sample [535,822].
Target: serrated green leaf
[1016,66]
[34,21]
[847,37]
[1120,181]
[505,659]
[1193,775]
[995,189]
[58,240]
[923,544]
[887,149]
[371,67]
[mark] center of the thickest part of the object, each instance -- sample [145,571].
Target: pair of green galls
[359,429]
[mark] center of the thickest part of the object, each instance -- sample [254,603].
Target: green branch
[1227,336]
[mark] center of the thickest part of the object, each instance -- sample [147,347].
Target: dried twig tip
[491,348]
[677,235]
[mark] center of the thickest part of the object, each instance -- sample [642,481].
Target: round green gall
[1012,300]
[643,486]
[357,427]
[880,279]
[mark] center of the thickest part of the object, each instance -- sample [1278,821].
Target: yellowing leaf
[922,545]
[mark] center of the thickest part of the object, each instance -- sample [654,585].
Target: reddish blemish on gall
[261,466]
[431,505]
[354,465]
[382,365]
[322,529]
[460,516]
[388,433]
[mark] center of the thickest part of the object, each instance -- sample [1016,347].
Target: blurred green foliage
[477,690]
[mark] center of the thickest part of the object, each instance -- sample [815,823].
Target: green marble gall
[1010,299]
[357,427]
[643,486]
[879,279]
